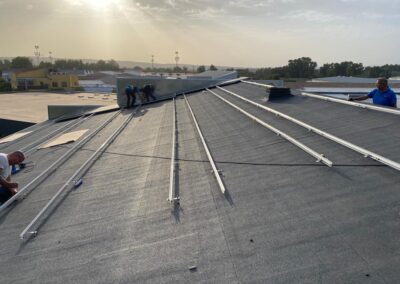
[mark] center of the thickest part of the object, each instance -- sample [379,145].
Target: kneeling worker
[8,188]
[382,95]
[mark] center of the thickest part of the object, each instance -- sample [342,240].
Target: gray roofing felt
[284,218]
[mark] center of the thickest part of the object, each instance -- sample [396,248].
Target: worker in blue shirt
[130,93]
[382,95]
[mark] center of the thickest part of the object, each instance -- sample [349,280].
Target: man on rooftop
[382,95]
[8,188]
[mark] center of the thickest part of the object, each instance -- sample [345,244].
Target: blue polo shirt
[386,98]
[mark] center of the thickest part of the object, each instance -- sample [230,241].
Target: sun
[100,4]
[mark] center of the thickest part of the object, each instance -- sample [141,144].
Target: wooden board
[65,138]
[13,137]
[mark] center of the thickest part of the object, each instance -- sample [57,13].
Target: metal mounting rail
[28,149]
[329,99]
[7,144]
[53,167]
[210,158]
[318,156]
[331,137]
[78,174]
[365,106]
[172,195]
[257,84]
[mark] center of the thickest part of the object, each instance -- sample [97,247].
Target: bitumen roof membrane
[285,218]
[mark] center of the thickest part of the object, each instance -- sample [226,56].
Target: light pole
[37,54]
[152,63]
[176,58]
[51,57]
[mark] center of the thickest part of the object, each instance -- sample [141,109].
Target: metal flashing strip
[331,137]
[172,194]
[360,105]
[318,156]
[76,178]
[53,167]
[32,147]
[210,158]
[257,84]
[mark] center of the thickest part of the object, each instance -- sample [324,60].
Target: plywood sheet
[14,137]
[65,138]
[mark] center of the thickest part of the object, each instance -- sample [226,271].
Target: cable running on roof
[318,156]
[327,135]
[203,140]
[54,166]
[172,194]
[32,147]
[77,176]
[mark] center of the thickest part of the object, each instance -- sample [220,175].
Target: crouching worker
[8,188]
[148,92]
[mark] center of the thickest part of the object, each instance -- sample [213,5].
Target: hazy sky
[250,33]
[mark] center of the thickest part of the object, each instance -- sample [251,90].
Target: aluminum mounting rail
[172,194]
[53,167]
[365,152]
[7,144]
[360,105]
[210,158]
[77,176]
[30,148]
[318,156]
[329,99]
[257,84]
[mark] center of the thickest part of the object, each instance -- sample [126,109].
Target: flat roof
[32,106]
[285,218]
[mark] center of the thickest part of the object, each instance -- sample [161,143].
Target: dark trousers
[129,104]
[5,194]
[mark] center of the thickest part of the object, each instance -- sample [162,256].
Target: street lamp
[37,54]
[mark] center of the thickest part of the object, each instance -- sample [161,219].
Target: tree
[5,64]
[45,64]
[213,68]
[201,69]
[302,67]
[4,86]
[21,62]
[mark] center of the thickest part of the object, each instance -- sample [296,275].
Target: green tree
[201,69]
[4,86]
[302,67]
[213,68]
[21,62]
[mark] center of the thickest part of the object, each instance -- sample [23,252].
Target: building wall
[41,78]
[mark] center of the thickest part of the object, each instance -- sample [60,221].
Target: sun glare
[100,4]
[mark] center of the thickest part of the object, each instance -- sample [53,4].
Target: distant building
[42,78]
[97,86]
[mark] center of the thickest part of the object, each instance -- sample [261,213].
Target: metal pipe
[210,158]
[327,135]
[53,167]
[78,174]
[7,144]
[172,195]
[360,105]
[318,156]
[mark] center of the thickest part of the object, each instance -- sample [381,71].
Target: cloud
[313,16]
